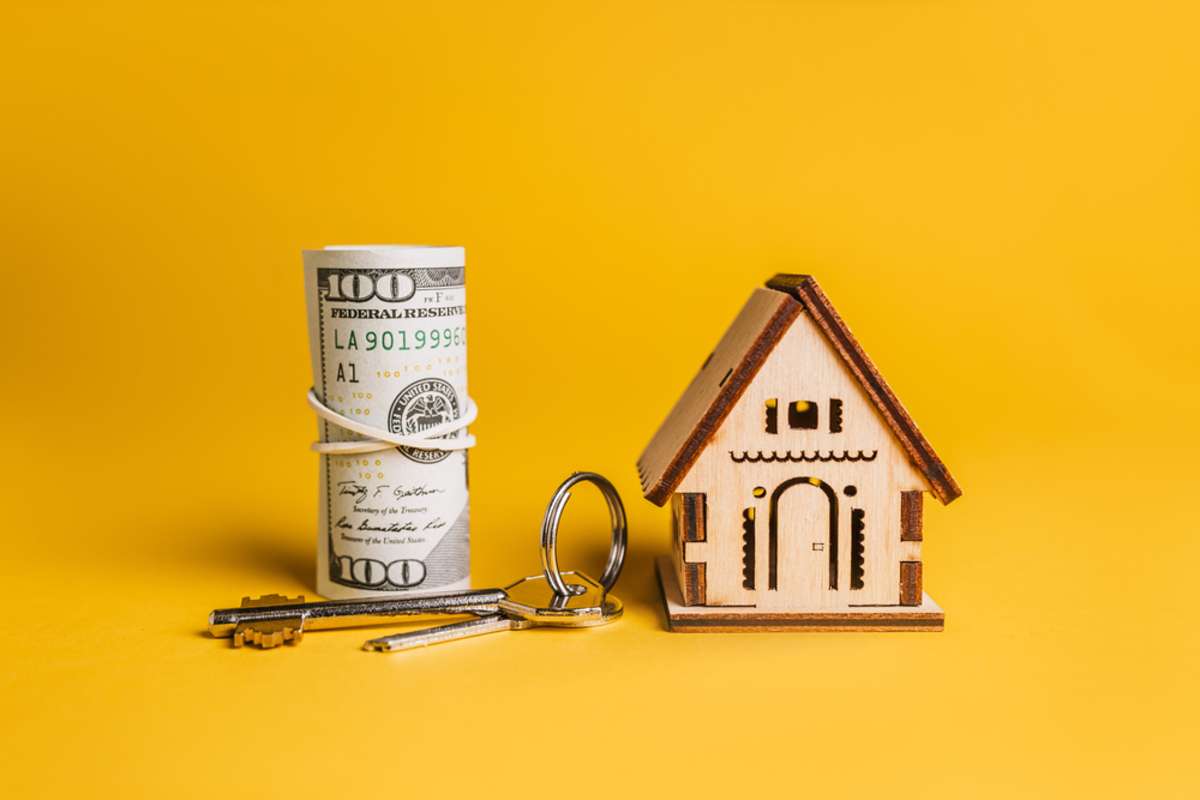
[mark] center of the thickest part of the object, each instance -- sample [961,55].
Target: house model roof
[737,358]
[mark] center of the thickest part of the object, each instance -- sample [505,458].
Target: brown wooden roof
[737,358]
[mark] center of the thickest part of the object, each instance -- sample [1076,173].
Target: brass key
[273,619]
[547,599]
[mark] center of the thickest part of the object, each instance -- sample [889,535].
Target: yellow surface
[1001,198]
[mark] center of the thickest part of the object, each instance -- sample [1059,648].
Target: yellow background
[1001,198]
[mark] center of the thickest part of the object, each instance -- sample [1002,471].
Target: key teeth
[267,635]
[268,600]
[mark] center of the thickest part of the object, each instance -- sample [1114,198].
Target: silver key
[531,602]
[272,620]
[546,599]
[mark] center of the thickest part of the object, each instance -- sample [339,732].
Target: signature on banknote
[360,491]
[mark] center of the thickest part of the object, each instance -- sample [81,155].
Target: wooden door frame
[773,529]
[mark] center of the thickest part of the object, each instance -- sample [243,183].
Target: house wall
[802,367]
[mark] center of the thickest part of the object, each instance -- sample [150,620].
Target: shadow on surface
[283,556]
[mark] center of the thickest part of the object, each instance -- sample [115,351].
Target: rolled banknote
[388,336]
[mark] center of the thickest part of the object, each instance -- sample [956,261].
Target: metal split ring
[620,533]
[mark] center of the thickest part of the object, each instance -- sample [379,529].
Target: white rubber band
[386,440]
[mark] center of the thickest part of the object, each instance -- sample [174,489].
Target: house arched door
[811,529]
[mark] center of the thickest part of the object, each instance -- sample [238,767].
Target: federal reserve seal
[421,406]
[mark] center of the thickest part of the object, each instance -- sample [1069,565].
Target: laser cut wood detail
[788,419]
[803,415]
[835,415]
[858,546]
[738,619]
[689,526]
[912,514]
[910,583]
[749,548]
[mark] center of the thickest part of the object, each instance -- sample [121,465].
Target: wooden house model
[795,478]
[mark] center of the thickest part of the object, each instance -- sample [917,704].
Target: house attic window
[803,415]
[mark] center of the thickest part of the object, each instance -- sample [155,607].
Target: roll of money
[388,336]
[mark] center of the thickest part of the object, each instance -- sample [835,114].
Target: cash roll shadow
[214,563]
[279,559]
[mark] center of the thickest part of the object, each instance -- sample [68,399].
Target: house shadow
[638,585]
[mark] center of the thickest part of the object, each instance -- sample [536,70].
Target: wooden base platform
[729,619]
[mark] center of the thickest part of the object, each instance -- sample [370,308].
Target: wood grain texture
[910,583]
[782,508]
[688,524]
[738,357]
[695,584]
[793,466]
[926,616]
[912,513]
[694,527]
[712,393]
[804,289]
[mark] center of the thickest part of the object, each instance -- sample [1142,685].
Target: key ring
[620,533]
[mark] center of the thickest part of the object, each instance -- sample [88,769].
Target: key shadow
[281,560]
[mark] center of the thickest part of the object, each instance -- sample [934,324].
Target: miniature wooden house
[796,480]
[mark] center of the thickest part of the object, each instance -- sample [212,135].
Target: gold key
[269,633]
[542,600]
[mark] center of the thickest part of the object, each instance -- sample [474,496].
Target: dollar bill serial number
[419,339]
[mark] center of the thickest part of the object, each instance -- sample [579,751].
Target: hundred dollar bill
[387,328]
